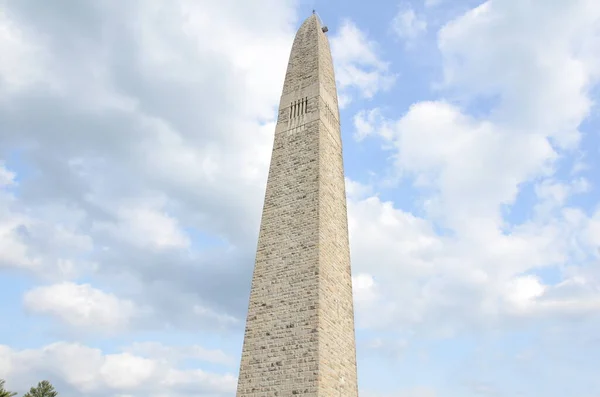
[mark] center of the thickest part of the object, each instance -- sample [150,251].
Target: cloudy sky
[135,141]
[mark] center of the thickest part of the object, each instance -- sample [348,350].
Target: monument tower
[299,338]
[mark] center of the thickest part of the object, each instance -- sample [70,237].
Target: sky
[135,140]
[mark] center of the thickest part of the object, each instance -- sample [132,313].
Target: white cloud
[48,246]
[466,279]
[81,306]
[125,371]
[539,73]
[364,289]
[156,350]
[128,171]
[468,169]
[523,290]
[23,59]
[81,369]
[412,392]
[212,316]
[358,64]
[357,190]
[433,3]
[553,195]
[6,176]
[365,122]
[390,349]
[407,25]
[145,224]
[13,251]
[457,155]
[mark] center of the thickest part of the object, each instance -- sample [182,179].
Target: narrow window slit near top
[298,107]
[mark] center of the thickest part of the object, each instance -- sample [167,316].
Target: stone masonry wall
[299,337]
[337,352]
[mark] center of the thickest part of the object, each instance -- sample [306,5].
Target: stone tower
[299,338]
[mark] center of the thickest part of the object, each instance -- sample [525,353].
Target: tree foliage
[43,389]
[3,391]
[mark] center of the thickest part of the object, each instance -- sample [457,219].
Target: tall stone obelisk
[299,338]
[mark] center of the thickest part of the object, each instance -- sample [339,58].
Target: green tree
[43,389]
[4,392]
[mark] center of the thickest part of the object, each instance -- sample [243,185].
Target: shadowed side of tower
[299,337]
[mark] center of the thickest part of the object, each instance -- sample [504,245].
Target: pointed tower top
[319,20]
[310,58]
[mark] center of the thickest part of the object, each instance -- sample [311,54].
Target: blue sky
[134,148]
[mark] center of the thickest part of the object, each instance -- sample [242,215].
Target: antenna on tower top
[324,27]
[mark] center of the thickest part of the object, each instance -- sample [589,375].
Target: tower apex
[324,27]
